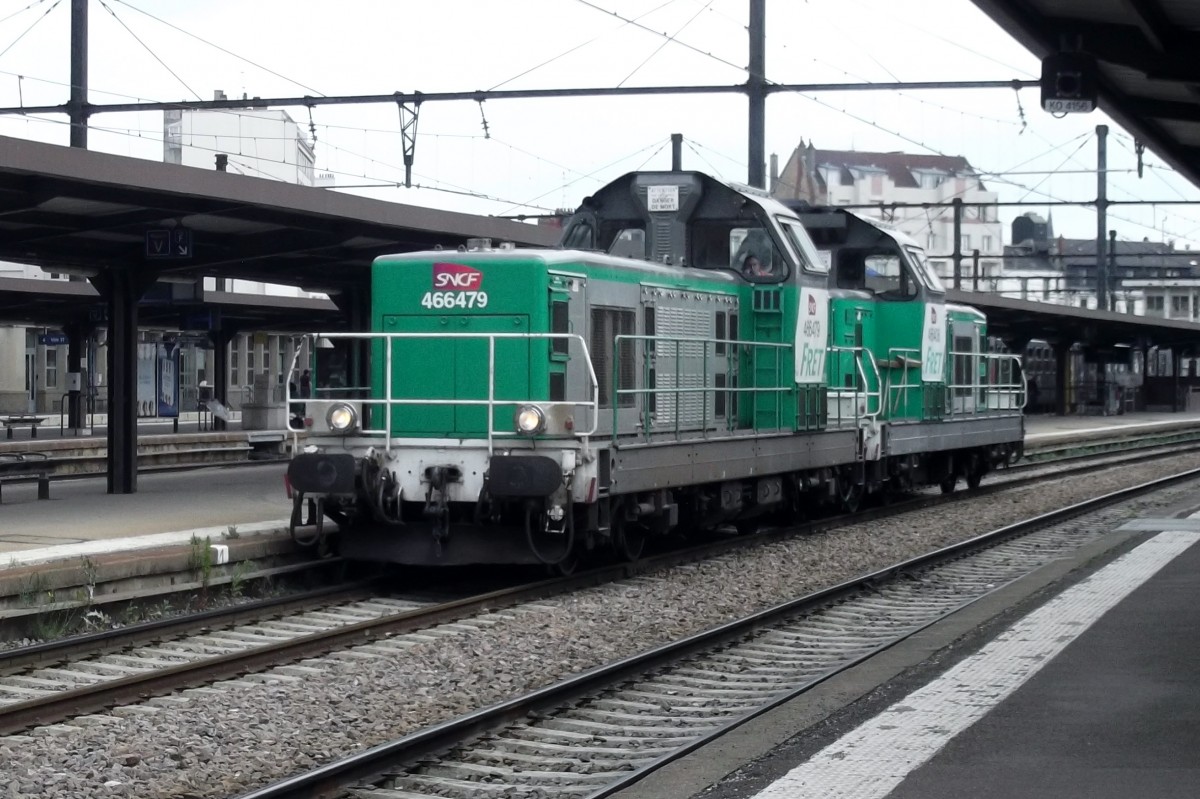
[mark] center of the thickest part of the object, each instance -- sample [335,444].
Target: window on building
[250,353]
[51,367]
[234,353]
[1154,305]
[986,246]
[1179,307]
[876,184]
[966,243]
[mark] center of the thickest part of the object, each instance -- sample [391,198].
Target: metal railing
[389,402]
[860,398]
[673,348]
[996,384]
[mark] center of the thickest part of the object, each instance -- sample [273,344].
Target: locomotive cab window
[581,236]
[755,256]
[924,270]
[810,260]
[629,243]
[888,276]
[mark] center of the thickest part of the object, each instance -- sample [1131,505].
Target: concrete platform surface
[80,511]
[1058,429]
[1093,694]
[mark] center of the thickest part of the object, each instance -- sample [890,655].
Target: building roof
[1062,253]
[900,167]
[803,177]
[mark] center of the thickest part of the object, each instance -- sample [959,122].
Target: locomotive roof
[720,198]
[553,258]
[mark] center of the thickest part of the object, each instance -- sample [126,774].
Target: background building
[881,180]
[1145,277]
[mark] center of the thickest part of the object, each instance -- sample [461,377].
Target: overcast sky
[545,154]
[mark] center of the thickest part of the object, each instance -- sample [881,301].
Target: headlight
[342,418]
[530,420]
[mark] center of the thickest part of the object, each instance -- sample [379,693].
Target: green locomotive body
[684,360]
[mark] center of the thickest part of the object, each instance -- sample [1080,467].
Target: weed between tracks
[61,613]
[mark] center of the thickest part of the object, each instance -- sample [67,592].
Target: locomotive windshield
[802,246]
[925,272]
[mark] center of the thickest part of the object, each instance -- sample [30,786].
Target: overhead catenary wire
[218,47]
[593,5]
[671,38]
[574,48]
[32,25]
[29,7]
[147,48]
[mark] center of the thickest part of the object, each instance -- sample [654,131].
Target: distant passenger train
[686,359]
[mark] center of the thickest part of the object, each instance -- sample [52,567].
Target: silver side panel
[907,439]
[646,467]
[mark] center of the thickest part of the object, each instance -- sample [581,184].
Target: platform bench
[22,420]
[25,468]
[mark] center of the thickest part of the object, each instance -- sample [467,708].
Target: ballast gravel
[237,735]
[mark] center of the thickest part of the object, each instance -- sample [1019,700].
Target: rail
[392,756]
[389,402]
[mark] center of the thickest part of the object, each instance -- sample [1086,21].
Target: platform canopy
[1146,56]
[92,214]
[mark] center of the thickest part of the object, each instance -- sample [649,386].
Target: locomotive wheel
[629,538]
[976,469]
[850,492]
[566,566]
[948,483]
[561,564]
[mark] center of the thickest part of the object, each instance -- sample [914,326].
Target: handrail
[901,356]
[703,390]
[987,393]
[388,401]
[877,395]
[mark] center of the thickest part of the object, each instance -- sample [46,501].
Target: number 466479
[454,299]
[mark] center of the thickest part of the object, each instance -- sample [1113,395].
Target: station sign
[52,339]
[169,243]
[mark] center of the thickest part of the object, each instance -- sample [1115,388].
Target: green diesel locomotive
[686,359]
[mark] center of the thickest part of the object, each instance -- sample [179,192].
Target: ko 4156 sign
[455,286]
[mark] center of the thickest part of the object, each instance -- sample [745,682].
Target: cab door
[439,370]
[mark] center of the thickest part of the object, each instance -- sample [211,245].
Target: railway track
[51,682]
[601,731]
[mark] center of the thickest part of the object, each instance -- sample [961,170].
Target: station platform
[81,518]
[1046,430]
[1079,681]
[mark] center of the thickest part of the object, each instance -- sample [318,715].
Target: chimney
[219,95]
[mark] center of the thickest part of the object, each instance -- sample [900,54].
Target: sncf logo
[456,277]
[933,313]
[812,305]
